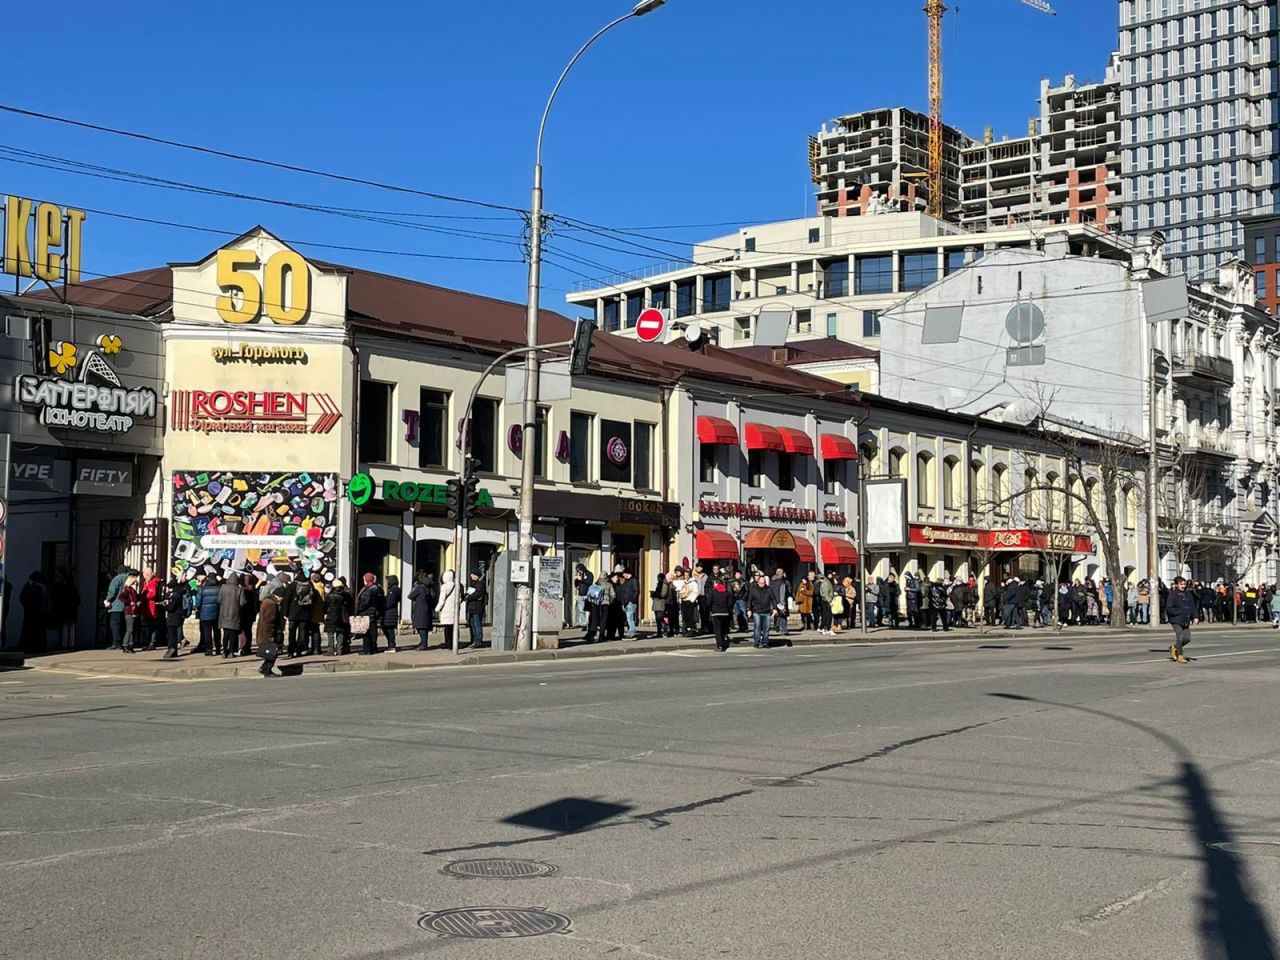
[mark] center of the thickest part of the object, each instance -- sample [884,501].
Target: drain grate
[778,781]
[499,868]
[494,923]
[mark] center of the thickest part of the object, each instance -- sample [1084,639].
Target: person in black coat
[422,603]
[475,597]
[299,598]
[391,612]
[937,606]
[371,603]
[174,614]
[1181,609]
[337,617]
[248,612]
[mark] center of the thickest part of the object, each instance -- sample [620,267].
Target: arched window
[1000,490]
[952,483]
[1053,511]
[1130,508]
[1031,494]
[977,487]
[1075,509]
[1093,490]
[897,462]
[926,485]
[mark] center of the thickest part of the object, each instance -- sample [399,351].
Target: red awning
[761,436]
[804,551]
[838,551]
[714,545]
[779,540]
[796,441]
[717,430]
[836,447]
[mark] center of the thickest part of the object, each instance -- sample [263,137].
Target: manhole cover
[494,923]
[778,781]
[498,869]
[1250,848]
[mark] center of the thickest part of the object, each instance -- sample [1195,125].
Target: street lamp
[524,591]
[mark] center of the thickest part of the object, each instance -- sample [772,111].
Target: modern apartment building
[831,275]
[1066,170]
[1198,86]
[878,160]
[1262,250]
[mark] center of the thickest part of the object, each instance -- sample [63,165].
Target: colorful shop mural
[259,523]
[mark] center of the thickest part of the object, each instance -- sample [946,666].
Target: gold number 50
[286,285]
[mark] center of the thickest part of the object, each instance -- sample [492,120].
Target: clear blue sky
[695,114]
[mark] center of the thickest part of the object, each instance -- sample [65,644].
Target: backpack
[188,603]
[303,594]
[595,593]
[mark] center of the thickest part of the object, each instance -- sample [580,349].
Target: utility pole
[1153,462]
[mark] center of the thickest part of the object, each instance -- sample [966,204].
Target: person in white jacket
[447,606]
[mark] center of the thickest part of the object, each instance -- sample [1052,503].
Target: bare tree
[1181,492]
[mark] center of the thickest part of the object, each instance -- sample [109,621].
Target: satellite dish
[693,333]
[1020,411]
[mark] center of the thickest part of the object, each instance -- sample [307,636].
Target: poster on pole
[885,502]
[548,596]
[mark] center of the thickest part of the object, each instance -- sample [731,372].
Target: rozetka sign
[361,488]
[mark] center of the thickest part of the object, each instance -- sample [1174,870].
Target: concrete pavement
[1049,797]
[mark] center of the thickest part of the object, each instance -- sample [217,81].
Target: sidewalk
[113,663]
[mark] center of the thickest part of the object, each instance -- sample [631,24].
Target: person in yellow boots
[1182,610]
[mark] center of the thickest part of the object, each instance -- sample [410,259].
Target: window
[1031,495]
[953,262]
[831,325]
[786,471]
[610,316]
[1130,508]
[952,483]
[814,235]
[642,456]
[741,329]
[919,270]
[580,427]
[715,293]
[804,321]
[897,462]
[616,451]
[755,468]
[484,434]
[433,417]
[751,245]
[541,441]
[833,475]
[874,274]
[1262,284]
[925,483]
[871,323]
[635,303]
[660,298]
[686,298]
[977,487]
[1000,490]
[835,278]
[1053,510]
[375,421]
[707,462]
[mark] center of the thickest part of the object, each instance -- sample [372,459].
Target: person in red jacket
[153,612]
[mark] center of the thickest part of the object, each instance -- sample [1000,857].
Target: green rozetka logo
[360,489]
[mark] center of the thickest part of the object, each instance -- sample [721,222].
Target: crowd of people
[292,614]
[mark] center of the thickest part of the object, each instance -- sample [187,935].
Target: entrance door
[573,557]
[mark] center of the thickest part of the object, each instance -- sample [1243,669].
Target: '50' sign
[283,293]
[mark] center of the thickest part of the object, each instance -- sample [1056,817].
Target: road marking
[1111,909]
[1206,656]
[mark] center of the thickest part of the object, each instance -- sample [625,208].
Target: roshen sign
[86,406]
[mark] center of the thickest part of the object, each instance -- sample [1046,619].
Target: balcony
[1187,366]
[1211,441]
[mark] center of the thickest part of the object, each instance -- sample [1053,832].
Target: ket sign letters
[42,240]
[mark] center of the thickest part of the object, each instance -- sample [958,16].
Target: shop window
[832,476]
[541,442]
[642,456]
[755,468]
[375,421]
[786,471]
[707,462]
[484,435]
[433,419]
[926,485]
[952,483]
[580,427]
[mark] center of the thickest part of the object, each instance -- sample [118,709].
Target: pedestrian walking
[1181,610]
[475,597]
[422,605]
[447,606]
[270,631]
[391,613]
[720,606]
[230,604]
[760,604]
[338,607]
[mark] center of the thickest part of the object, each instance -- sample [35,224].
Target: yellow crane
[934,9]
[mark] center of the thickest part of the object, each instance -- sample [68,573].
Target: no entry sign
[650,324]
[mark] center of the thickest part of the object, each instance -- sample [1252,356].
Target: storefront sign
[977,539]
[361,488]
[42,240]
[835,518]
[752,511]
[104,478]
[615,451]
[39,474]
[515,439]
[259,353]
[634,510]
[253,411]
[718,508]
[85,406]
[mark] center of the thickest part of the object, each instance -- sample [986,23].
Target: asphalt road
[1052,796]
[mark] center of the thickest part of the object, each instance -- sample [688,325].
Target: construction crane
[934,9]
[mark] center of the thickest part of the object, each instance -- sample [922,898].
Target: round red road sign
[650,324]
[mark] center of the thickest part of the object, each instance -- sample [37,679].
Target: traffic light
[581,347]
[471,494]
[453,499]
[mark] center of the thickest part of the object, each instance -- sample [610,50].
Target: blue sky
[695,114]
